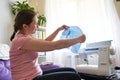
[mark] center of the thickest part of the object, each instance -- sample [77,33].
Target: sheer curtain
[97,18]
[60,12]
[114,22]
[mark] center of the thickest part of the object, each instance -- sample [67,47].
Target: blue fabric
[72,32]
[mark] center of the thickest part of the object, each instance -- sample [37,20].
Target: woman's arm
[53,35]
[43,46]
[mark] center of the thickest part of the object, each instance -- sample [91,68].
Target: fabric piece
[5,73]
[45,67]
[72,32]
[4,52]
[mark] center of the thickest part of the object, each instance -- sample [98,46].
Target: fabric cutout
[72,32]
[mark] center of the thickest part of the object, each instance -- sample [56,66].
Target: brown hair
[23,17]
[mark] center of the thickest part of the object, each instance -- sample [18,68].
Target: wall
[39,5]
[5,22]
[117,4]
[16,0]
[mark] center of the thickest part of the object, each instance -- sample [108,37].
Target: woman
[24,50]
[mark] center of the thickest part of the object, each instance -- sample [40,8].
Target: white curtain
[60,12]
[97,18]
[114,22]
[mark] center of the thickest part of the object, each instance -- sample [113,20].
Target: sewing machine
[95,59]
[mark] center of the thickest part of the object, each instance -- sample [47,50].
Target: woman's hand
[53,35]
[82,38]
[63,27]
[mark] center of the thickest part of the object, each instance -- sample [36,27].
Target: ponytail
[13,35]
[15,31]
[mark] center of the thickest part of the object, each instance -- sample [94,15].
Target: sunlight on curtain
[114,22]
[94,21]
[89,15]
[60,12]
[97,18]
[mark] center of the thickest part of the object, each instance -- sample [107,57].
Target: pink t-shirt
[24,65]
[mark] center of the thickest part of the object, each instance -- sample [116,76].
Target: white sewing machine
[95,59]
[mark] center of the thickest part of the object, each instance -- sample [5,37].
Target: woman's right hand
[63,27]
[82,38]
